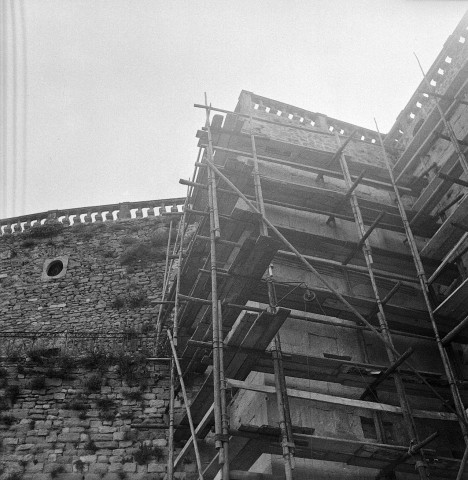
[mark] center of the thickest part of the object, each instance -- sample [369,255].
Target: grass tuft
[46,230]
[105,403]
[38,382]
[146,453]
[90,446]
[12,392]
[56,471]
[7,420]
[136,395]
[93,383]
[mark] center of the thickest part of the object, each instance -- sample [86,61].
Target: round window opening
[54,268]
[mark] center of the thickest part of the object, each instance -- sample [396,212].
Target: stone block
[98,468]
[129,467]
[53,382]
[89,458]
[35,476]
[69,437]
[52,438]
[25,446]
[103,437]
[10,441]
[35,467]
[106,429]
[156,468]
[115,467]
[108,444]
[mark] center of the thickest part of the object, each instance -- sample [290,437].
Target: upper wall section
[448,79]
[88,278]
[311,131]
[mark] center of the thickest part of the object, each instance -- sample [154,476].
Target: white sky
[112,83]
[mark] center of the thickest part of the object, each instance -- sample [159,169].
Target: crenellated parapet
[285,114]
[446,83]
[92,214]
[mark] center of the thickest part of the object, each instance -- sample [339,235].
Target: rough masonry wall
[106,262]
[314,131]
[79,398]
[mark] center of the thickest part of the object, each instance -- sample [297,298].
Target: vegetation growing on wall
[88,398]
[46,230]
[48,375]
[143,252]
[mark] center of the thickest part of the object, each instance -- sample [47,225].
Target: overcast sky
[112,83]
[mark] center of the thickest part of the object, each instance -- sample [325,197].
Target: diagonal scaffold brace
[187,405]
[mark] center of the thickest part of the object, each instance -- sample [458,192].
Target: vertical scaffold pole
[460,410]
[222,383]
[280,382]
[421,465]
[170,458]
[221,441]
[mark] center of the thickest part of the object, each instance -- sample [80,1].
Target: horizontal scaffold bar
[309,168]
[348,402]
[448,178]
[355,268]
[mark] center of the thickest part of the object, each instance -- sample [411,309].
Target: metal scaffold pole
[421,465]
[460,410]
[170,459]
[220,413]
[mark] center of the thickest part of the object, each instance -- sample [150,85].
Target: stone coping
[91,214]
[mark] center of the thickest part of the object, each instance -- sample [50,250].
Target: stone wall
[111,272]
[89,425]
[79,398]
[313,131]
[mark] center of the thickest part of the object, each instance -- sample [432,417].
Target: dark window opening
[54,268]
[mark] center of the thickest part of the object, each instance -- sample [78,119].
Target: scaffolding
[225,308]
